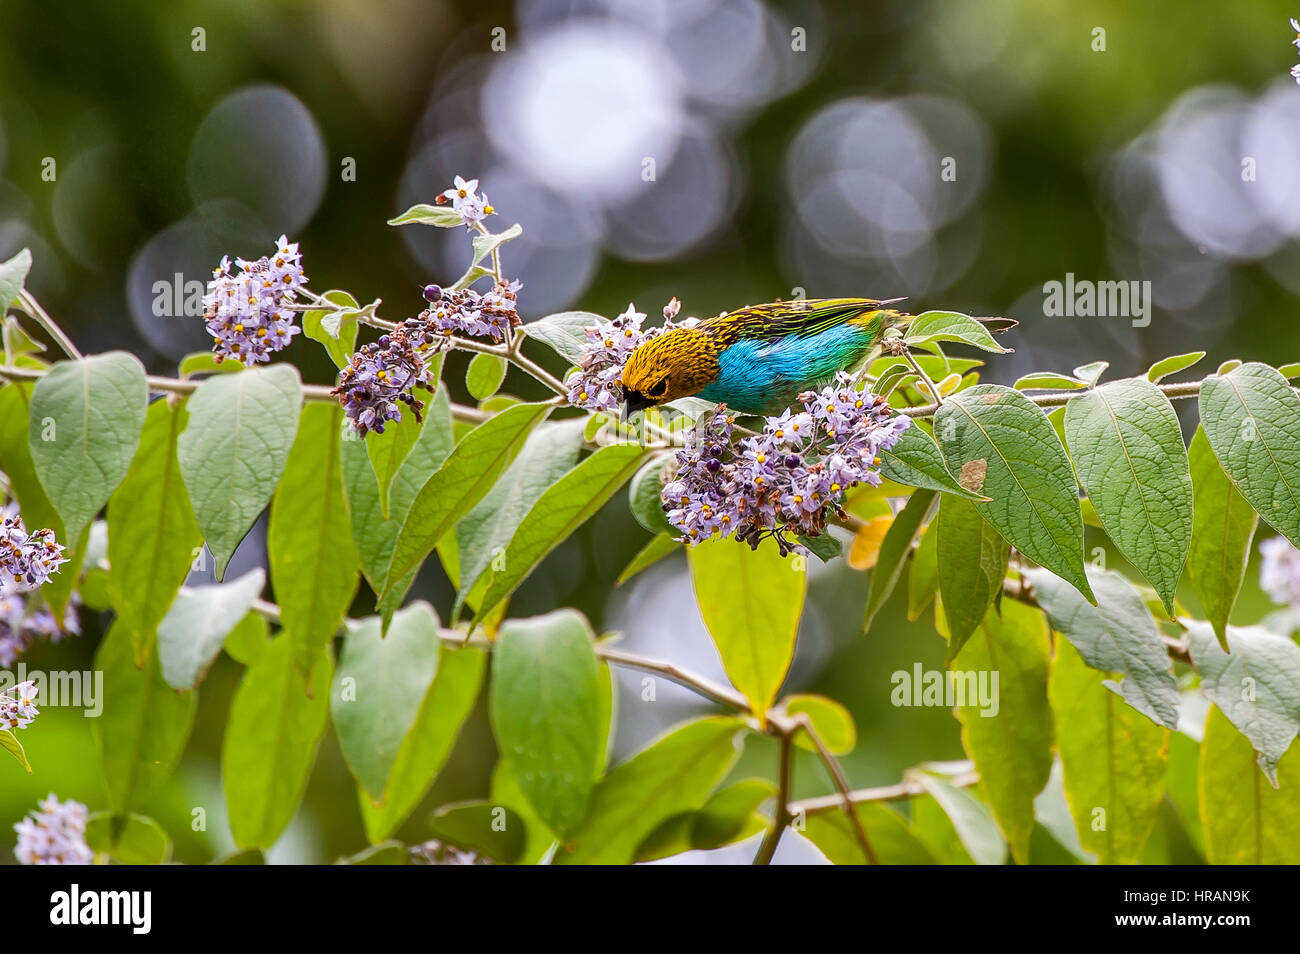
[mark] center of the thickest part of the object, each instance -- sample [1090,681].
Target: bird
[758,359]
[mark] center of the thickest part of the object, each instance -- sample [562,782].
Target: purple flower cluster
[56,835]
[435,852]
[598,383]
[248,312]
[1279,571]
[787,480]
[378,379]
[18,711]
[466,312]
[27,560]
[465,200]
[22,624]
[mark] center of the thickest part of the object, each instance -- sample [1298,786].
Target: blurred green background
[793,145]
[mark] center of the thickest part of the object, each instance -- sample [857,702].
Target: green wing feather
[779,319]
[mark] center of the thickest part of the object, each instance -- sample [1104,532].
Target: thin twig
[841,783]
[38,314]
[699,684]
[908,788]
[781,815]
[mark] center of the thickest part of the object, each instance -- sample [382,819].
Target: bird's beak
[636,401]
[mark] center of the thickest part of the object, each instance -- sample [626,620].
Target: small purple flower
[379,378]
[466,312]
[786,481]
[464,198]
[249,312]
[27,560]
[56,835]
[598,383]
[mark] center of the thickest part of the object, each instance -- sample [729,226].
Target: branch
[841,782]
[38,314]
[1185,389]
[905,789]
[781,816]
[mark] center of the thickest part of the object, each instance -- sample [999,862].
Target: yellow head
[674,365]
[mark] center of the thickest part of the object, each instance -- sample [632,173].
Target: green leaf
[379,686]
[892,839]
[144,726]
[932,326]
[830,720]
[916,461]
[1256,685]
[197,624]
[443,216]
[86,418]
[566,506]
[335,330]
[152,536]
[1223,526]
[1172,365]
[972,563]
[1290,371]
[1048,380]
[9,742]
[1091,373]
[645,496]
[1012,746]
[13,274]
[1000,433]
[751,601]
[1117,635]
[37,511]
[506,792]
[128,840]
[730,815]
[1246,821]
[674,775]
[485,245]
[234,449]
[313,560]
[493,831]
[545,691]
[1128,448]
[894,550]
[1114,759]
[484,376]
[564,331]
[17,342]
[659,547]
[1251,417]
[372,533]
[270,744]
[971,819]
[923,578]
[205,362]
[464,478]
[550,451]
[429,742]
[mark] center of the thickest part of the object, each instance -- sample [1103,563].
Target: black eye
[658,389]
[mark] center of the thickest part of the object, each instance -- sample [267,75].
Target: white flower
[1295,73]
[1279,571]
[462,191]
[1295,26]
[56,835]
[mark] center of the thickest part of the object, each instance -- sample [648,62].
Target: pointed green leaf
[145,723]
[1252,419]
[492,831]
[998,434]
[309,538]
[830,720]
[266,758]
[916,461]
[442,216]
[1128,448]
[234,449]
[1117,635]
[564,331]
[1114,759]
[566,506]
[892,839]
[1256,685]
[197,624]
[923,578]
[894,550]
[1047,380]
[1011,743]
[751,601]
[972,562]
[464,478]
[545,690]
[485,245]
[675,774]
[484,376]
[13,274]
[1223,526]
[934,326]
[152,535]
[971,819]
[1172,365]
[130,840]
[85,427]
[428,744]
[335,330]
[379,686]
[9,742]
